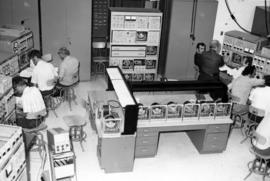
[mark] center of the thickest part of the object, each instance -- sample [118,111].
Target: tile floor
[177,159]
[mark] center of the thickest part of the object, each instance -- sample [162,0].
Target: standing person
[44,74]
[69,68]
[209,62]
[200,47]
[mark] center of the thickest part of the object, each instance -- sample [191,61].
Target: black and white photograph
[185,78]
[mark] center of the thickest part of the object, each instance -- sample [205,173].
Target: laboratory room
[132,90]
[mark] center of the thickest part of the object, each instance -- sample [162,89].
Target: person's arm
[197,58]
[256,82]
[221,63]
[34,78]
[61,71]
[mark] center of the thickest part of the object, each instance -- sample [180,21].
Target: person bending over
[30,104]
[242,85]
[44,75]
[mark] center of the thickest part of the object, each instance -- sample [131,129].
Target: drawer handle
[145,134]
[144,142]
[144,150]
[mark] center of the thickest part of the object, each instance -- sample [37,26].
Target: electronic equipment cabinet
[135,42]
[12,154]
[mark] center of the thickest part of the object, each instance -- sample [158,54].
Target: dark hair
[267,80]
[200,44]
[34,53]
[64,51]
[248,60]
[249,70]
[18,81]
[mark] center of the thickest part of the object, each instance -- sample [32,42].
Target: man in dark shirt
[209,62]
[200,47]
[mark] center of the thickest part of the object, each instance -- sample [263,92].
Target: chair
[35,137]
[68,92]
[260,164]
[239,111]
[50,103]
[76,124]
[99,59]
[251,125]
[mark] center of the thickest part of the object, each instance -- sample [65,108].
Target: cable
[266,18]
[234,19]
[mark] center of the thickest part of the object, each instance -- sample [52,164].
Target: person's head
[215,45]
[200,47]
[248,60]
[267,80]
[19,85]
[35,55]
[63,52]
[250,71]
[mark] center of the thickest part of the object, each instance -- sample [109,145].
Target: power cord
[234,19]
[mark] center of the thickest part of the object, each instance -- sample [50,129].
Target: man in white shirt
[30,104]
[69,68]
[262,141]
[44,75]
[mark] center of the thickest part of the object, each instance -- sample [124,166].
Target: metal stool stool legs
[77,134]
[50,104]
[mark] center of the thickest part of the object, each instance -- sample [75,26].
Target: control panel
[17,45]
[58,140]
[100,18]
[239,45]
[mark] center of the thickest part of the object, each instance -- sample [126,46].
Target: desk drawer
[216,128]
[146,151]
[149,140]
[215,141]
[147,132]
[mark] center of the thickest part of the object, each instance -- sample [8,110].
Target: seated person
[262,142]
[242,85]
[30,105]
[69,68]
[44,75]
[260,98]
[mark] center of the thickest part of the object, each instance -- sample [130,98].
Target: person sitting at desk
[44,75]
[69,68]
[260,98]
[30,105]
[242,85]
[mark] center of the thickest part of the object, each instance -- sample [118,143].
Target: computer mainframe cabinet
[135,42]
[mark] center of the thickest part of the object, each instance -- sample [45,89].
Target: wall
[243,11]
[68,23]
[14,11]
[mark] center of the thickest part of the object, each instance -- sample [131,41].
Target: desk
[207,135]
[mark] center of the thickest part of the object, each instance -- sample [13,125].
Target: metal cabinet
[211,140]
[181,44]
[116,154]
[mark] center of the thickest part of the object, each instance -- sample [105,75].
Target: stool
[250,126]
[50,103]
[68,93]
[35,135]
[237,115]
[260,165]
[76,124]
[100,60]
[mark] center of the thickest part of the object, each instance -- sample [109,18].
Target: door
[179,42]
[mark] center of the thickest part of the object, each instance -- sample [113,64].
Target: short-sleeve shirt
[68,68]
